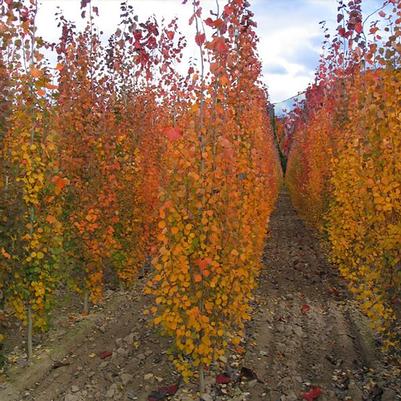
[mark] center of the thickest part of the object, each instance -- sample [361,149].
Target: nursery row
[111,159]
[344,169]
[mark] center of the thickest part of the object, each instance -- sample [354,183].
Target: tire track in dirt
[307,331]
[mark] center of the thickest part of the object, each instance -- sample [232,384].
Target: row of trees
[344,170]
[112,157]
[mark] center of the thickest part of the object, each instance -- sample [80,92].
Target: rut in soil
[306,328]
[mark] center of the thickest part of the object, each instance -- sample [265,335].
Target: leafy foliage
[344,171]
[113,158]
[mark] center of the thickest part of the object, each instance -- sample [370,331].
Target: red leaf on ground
[105,354]
[334,291]
[223,379]
[169,390]
[305,309]
[163,392]
[312,394]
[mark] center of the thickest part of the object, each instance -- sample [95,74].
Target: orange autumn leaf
[36,73]
[173,133]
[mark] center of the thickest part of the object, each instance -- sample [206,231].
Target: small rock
[126,378]
[263,353]
[71,397]
[388,395]
[75,389]
[157,359]
[223,359]
[129,339]
[111,391]
[291,396]
[131,395]
[22,362]
[354,391]
[122,351]
[148,376]
[206,397]
[141,357]
[252,383]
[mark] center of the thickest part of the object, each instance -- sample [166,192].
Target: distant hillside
[287,105]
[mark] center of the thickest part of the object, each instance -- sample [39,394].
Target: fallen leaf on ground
[312,394]
[105,354]
[305,309]
[163,392]
[223,379]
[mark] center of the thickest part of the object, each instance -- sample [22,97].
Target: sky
[289,32]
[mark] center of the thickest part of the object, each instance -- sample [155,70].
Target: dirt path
[305,332]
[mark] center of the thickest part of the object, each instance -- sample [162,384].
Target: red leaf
[334,291]
[228,10]
[312,394]
[163,392]
[203,263]
[218,44]
[170,35]
[221,45]
[200,39]
[358,27]
[173,133]
[105,354]
[382,14]
[305,309]
[209,22]
[342,32]
[84,3]
[169,390]
[223,379]
[218,23]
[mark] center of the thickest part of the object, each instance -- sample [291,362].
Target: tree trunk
[86,303]
[202,387]
[29,339]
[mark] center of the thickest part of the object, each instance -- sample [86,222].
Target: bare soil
[306,333]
